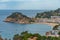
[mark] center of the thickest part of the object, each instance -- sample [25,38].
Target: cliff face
[18,17]
[48,14]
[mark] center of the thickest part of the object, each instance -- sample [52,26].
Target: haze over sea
[7,30]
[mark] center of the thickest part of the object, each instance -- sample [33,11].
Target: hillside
[48,14]
[18,17]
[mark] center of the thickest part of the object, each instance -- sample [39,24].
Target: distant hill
[18,17]
[48,14]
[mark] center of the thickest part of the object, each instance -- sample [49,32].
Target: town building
[54,32]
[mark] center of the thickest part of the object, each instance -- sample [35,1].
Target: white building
[55,17]
[54,33]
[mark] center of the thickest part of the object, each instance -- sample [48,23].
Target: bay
[8,30]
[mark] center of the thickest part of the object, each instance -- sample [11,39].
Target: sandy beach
[50,24]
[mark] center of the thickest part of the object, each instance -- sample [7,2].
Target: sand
[50,24]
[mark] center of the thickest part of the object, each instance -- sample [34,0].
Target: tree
[17,37]
[56,27]
[25,35]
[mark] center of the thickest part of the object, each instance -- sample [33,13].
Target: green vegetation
[19,17]
[25,35]
[56,27]
[48,14]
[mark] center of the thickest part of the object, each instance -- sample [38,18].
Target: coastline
[47,23]
[50,24]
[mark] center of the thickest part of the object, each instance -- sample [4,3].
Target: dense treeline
[48,14]
[25,35]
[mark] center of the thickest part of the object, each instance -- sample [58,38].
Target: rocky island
[18,17]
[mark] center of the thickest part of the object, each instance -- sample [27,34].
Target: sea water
[8,30]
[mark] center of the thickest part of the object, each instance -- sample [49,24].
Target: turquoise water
[7,30]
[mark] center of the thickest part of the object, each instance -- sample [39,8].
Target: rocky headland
[18,17]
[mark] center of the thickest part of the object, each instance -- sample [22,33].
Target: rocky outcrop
[18,17]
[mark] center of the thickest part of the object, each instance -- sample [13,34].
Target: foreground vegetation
[25,36]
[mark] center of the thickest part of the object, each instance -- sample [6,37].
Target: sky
[30,4]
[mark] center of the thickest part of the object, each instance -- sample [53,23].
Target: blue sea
[8,30]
